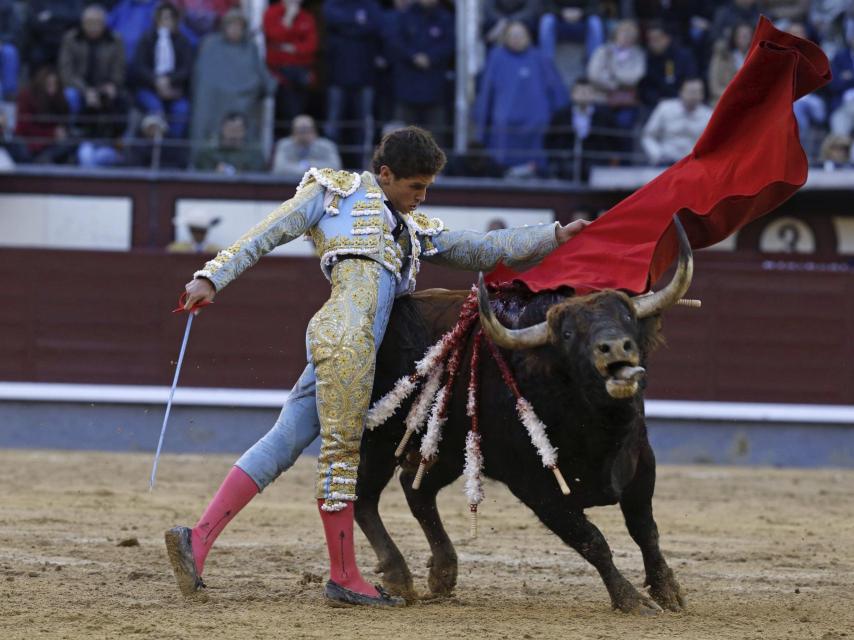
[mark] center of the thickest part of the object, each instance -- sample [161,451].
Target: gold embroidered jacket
[343,213]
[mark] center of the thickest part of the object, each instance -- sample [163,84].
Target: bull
[580,360]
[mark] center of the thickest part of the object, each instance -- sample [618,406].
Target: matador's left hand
[567,231]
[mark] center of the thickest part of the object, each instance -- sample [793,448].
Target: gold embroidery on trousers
[341,339]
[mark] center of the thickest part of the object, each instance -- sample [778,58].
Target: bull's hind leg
[636,503]
[375,470]
[442,577]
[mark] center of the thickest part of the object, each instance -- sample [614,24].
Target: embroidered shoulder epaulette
[427,226]
[341,183]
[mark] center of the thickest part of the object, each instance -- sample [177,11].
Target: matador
[371,241]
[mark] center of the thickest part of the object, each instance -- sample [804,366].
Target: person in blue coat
[668,65]
[353,38]
[131,19]
[842,90]
[422,48]
[519,93]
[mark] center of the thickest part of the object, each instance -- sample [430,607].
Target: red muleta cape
[747,162]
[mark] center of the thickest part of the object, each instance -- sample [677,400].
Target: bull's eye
[567,334]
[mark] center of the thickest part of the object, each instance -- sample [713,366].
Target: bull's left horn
[526,338]
[654,304]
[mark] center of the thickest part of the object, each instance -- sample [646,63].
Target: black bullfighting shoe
[338,596]
[180,549]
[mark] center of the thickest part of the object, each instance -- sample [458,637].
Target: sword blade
[171,395]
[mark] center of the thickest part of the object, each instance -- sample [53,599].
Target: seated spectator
[615,70]
[831,19]
[836,152]
[149,148]
[291,36]
[520,92]
[667,66]
[577,137]
[810,110]
[422,48]
[47,22]
[676,124]
[10,63]
[231,152]
[92,70]
[732,14]
[199,224]
[228,76]
[842,90]
[43,119]
[12,150]
[296,154]
[498,14]
[203,17]
[727,58]
[569,34]
[160,73]
[688,21]
[353,31]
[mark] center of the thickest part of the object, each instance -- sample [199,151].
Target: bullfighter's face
[405,194]
[599,340]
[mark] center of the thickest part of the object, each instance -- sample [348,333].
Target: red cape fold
[748,161]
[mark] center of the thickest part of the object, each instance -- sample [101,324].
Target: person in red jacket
[42,117]
[291,35]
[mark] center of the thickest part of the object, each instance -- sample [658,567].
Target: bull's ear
[554,319]
[651,337]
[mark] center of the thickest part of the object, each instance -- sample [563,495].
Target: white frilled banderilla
[431,405]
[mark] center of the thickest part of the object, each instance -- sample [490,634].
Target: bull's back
[417,321]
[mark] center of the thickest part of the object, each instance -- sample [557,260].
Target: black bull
[578,361]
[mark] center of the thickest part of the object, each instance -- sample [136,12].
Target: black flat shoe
[180,549]
[338,596]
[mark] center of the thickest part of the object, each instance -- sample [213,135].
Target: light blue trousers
[298,423]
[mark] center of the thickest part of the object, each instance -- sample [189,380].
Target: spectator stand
[574,143]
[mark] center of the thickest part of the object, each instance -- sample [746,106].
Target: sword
[190,317]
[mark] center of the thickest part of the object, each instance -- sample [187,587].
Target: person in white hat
[198,223]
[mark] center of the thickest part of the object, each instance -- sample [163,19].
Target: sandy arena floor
[761,553]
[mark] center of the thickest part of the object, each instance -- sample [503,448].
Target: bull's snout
[617,359]
[618,349]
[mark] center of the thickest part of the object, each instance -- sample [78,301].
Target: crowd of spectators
[564,85]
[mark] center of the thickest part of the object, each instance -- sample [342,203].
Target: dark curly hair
[409,152]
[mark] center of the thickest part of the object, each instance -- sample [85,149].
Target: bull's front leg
[442,577]
[636,504]
[578,532]
[375,470]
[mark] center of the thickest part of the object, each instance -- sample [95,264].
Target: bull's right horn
[527,338]
[650,305]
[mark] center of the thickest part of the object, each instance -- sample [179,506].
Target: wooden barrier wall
[153,198]
[781,334]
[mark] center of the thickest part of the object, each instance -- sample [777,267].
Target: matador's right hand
[199,290]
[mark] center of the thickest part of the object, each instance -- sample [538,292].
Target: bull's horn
[526,338]
[654,304]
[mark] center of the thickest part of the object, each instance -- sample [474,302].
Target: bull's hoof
[442,577]
[630,600]
[398,582]
[666,591]
[405,590]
